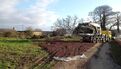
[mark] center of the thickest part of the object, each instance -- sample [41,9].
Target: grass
[47,65]
[116,51]
[18,53]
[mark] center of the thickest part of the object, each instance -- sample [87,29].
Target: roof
[95,24]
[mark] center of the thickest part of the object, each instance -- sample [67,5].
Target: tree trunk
[103,22]
[118,26]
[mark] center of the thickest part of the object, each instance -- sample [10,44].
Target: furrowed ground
[66,48]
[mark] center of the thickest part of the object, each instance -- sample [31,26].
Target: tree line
[103,15]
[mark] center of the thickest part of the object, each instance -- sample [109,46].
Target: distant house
[37,33]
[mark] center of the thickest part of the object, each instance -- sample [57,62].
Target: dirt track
[102,59]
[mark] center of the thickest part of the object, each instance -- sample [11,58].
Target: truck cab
[92,32]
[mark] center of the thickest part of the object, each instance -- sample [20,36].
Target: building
[37,33]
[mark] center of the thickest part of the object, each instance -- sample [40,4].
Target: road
[102,59]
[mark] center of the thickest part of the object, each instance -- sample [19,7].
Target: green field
[19,53]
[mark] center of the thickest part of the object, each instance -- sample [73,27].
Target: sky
[43,14]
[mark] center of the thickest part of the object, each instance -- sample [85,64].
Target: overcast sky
[43,13]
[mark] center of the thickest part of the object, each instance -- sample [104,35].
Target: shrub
[68,36]
[10,34]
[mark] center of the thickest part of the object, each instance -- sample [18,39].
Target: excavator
[92,32]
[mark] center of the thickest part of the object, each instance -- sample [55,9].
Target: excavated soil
[66,48]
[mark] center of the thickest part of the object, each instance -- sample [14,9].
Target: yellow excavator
[92,32]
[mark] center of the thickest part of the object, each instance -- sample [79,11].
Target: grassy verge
[116,51]
[47,65]
[19,54]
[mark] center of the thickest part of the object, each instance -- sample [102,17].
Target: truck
[92,32]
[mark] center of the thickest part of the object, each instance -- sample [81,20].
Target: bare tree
[29,32]
[101,14]
[60,32]
[37,29]
[68,23]
[116,21]
[29,28]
